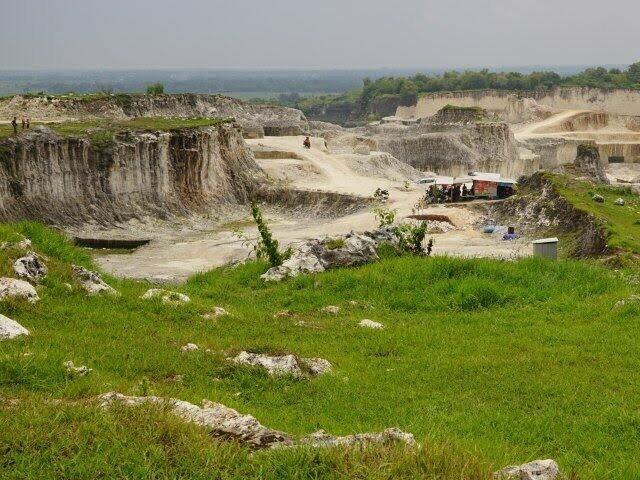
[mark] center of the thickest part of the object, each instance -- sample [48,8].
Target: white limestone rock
[222,421]
[13,288]
[91,281]
[168,297]
[366,323]
[80,371]
[284,364]
[387,437]
[11,329]
[30,267]
[331,310]
[189,347]
[536,470]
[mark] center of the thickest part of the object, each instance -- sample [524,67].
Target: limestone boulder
[283,364]
[91,281]
[222,421]
[80,371]
[366,323]
[30,267]
[13,288]
[536,470]
[189,347]
[321,254]
[11,329]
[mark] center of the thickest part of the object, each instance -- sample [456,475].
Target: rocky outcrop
[166,296]
[539,209]
[389,436]
[73,180]
[324,253]
[255,120]
[588,163]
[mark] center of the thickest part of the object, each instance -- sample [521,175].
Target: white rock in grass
[366,323]
[387,437]
[168,297]
[222,421]
[91,281]
[30,267]
[10,328]
[284,364]
[619,201]
[536,470]
[630,300]
[80,371]
[10,287]
[219,312]
[189,347]
[331,310]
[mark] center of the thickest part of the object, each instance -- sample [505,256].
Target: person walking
[23,124]
[28,123]
[14,124]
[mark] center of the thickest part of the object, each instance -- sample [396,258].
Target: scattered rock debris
[221,420]
[91,281]
[284,364]
[168,297]
[536,470]
[284,314]
[80,371]
[217,312]
[24,244]
[30,267]
[598,198]
[331,310]
[11,287]
[11,329]
[366,323]
[189,347]
[619,201]
[227,423]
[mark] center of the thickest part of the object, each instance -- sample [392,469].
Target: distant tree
[155,89]
[633,72]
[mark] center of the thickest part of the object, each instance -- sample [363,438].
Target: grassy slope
[620,222]
[141,124]
[508,361]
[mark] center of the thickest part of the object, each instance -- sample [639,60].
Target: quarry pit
[186,188]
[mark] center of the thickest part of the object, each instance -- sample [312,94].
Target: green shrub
[267,245]
[155,89]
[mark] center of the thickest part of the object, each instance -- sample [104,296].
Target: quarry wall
[70,180]
[616,101]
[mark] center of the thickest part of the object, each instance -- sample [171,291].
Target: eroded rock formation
[71,180]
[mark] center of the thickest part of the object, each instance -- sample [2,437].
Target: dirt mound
[381,165]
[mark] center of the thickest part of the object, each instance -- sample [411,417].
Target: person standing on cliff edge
[14,124]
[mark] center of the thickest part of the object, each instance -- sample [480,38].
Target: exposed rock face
[388,436]
[257,120]
[91,281]
[11,329]
[10,287]
[70,180]
[284,364]
[539,207]
[536,470]
[588,162]
[168,297]
[222,421]
[456,149]
[30,267]
[317,255]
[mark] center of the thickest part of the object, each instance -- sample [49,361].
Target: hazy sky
[320,33]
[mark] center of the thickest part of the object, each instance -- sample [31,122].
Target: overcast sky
[134,34]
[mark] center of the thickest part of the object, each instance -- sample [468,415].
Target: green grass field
[139,124]
[487,362]
[621,223]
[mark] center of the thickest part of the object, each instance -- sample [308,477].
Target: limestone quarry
[185,191]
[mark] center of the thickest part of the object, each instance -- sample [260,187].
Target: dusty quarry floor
[178,251]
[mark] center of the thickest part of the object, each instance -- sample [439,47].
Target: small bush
[410,238]
[335,243]
[155,89]
[385,216]
[267,246]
